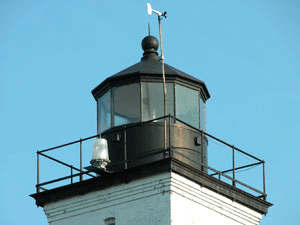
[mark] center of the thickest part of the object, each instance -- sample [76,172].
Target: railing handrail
[64,178]
[239,168]
[121,127]
[70,143]
[217,139]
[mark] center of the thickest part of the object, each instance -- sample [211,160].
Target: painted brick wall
[164,199]
[193,204]
[145,201]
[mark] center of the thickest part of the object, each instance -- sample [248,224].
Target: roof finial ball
[150,46]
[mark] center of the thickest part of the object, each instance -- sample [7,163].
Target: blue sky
[53,53]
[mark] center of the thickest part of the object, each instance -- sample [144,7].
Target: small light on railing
[100,157]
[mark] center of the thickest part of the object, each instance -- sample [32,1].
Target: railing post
[71,174]
[202,151]
[125,147]
[233,167]
[38,172]
[80,177]
[170,153]
[264,180]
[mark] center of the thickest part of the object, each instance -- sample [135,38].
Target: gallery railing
[218,174]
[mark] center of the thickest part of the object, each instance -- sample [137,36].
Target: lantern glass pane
[187,105]
[104,112]
[153,100]
[127,104]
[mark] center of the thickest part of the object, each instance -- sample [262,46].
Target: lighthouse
[150,166]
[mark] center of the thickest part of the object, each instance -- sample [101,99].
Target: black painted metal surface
[144,143]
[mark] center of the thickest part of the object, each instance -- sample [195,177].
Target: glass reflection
[126,104]
[153,100]
[187,105]
[104,113]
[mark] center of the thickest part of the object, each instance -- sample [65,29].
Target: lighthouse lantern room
[131,104]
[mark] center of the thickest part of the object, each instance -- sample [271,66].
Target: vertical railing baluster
[170,154]
[71,174]
[80,177]
[202,151]
[38,172]
[233,167]
[264,180]
[125,147]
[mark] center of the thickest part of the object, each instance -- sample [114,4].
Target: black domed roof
[149,68]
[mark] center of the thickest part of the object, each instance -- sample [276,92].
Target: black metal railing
[169,152]
[39,186]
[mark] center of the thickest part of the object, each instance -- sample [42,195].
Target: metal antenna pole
[148,29]
[160,15]
[164,82]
